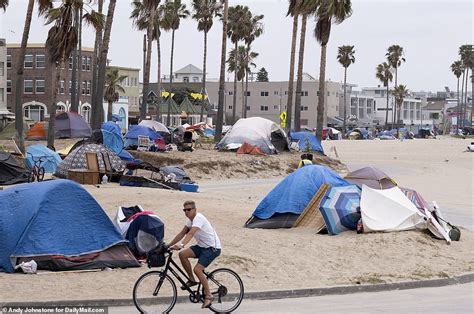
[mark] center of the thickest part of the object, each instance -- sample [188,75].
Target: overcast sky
[430,31]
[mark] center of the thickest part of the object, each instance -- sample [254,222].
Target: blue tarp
[131,138]
[116,118]
[50,163]
[112,141]
[208,132]
[56,217]
[112,127]
[295,192]
[303,137]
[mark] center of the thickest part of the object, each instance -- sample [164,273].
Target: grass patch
[373,279]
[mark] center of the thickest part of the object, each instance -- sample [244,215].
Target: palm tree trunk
[75,87]
[457,107]
[246,90]
[243,99]
[19,78]
[291,79]
[171,78]
[472,94]
[52,108]
[386,108]
[234,99]
[203,78]
[322,91]
[345,102]
[79,74]
[220,104]
[96,103]
[465,102]
[103,60]
[460,113]
[299,79]
[394,105]
[158,48]
[146,74]
[109,111]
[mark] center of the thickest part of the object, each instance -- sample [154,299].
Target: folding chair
[109,171]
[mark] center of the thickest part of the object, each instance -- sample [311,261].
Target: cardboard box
[84,176]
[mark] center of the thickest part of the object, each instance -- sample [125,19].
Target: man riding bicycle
[208,247]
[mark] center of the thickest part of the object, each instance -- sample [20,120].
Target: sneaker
[189,284]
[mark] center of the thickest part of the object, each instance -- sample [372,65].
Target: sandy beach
[231,187]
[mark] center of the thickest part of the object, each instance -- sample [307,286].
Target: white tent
[256,131]
[389,210]
[154,125]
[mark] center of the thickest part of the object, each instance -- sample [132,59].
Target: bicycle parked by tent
[37,171]
[155,291]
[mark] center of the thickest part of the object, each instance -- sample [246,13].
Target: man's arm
[187,238]
[179,236]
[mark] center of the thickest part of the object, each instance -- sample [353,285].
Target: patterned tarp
[77,159]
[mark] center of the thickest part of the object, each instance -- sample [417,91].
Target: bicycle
[37,171]
[155,291]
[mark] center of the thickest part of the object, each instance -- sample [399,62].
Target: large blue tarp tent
[131,138]
[295,192]
[306,137]
[50,161]
[112,140]
[56,218]
[112,127]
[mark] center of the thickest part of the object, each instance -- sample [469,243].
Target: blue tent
[303,137]
[131,138]
[112,140]
[116,118]
[112,127]
[295,192]
[56,217]
[50,163]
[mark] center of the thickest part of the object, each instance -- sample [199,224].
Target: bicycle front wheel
[154,292]
[227,289]
[40,174]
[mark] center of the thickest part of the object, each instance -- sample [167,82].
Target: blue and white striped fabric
[340,208]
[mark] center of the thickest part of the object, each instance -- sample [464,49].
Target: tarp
[341,208]
[155,125]
[372,177]
[306,138]
[131,138]
[71,125]
[389,210]
[49,163]
[55,217]
[112,127]
[256,131]
[246,148]
[293,193]
[112,140]
[10,171]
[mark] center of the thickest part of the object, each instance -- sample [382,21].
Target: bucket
[188,187]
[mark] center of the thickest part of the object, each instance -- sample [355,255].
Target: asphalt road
[448,299]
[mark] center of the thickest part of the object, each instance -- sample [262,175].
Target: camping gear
[122,215]
[84,176]
[278,220]
[266,134]
[155,125]
[370,176]
[146,232]
[10,171]
[189,187]
[311,215]
[341,208]
[71,125]
[46,222]
[389,210]
[49,163]
[187,143]
[38,131]
[77,160]
[293,194]
[131,138]
[179,174]
[246,148]
[307,140]
[358,134]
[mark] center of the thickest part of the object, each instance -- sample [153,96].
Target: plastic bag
[28,267]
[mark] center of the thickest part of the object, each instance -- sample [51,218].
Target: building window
[122,115]
[70,63]
[88,63]
[361,107]
[248,108]
[417,106]
[248,93]
[88,91]
[60,108]
[86,113]
[304,93]
[2,98]
[34,112]
[317,93]
[263,108]
[264,94]
[28,61]
[40,86]
[84,87]
[2,66]
[369,106]
[40,61]
[304,108]
[275,107]
[9,61]
[70,87]
[304,122]
[405,110]
[231,93]
[62,85]
[377,92]
[195,79]
[28,86]
[84,63]
[286,93]
[230,107]
[354,106]
[9,86]
[329,93]
[186,79]
[275,93]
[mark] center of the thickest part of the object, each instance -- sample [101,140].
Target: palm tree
[143,15]
[43,7]
[97,108]
[299,75]
[220,102]
[457,69]
[327,12]
[289,103]
[240,61]
[467,57]
[345,56]
[3,5]
[174,12]
[235,31]
[204,13]
[113,88]
[385,75]
[253,28]
[399,92]
[395,58]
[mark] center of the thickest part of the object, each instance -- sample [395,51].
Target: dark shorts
[205,255]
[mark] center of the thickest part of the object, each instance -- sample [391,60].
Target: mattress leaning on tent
[256,131]
[59,225]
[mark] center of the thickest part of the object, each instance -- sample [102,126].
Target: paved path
[448,299]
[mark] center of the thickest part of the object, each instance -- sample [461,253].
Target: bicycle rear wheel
[154,292]
[227,289]
[40,174]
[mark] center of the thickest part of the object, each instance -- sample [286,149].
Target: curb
[276,294]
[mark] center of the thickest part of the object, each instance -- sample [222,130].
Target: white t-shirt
[206,236]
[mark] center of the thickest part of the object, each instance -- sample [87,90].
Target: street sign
[283,119]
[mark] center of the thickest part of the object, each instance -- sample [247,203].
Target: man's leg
[199,271]
[184,256]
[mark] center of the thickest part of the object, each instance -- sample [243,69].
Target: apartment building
[5,115]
